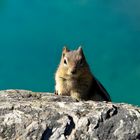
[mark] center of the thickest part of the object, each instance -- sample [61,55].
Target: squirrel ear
[65,50]
[80,50]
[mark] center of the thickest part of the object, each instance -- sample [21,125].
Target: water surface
[33,32]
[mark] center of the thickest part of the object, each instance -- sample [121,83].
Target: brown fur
[73,78]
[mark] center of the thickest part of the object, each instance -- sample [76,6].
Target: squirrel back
[74,78]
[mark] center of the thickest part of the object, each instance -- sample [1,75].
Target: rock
[26,115]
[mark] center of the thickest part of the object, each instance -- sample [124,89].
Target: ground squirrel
[74,78]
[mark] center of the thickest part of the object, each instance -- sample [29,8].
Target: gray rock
[26,115]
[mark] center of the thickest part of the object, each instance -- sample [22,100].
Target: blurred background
[33,32]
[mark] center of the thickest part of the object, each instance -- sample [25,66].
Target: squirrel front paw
[56,92]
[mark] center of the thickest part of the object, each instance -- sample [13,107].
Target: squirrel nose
[73,71]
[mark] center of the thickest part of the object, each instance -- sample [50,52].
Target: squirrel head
[73,62]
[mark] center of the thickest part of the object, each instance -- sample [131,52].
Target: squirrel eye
[65,62]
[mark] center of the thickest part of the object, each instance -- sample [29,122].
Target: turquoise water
[33,32]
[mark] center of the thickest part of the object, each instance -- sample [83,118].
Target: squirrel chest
[72,83]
